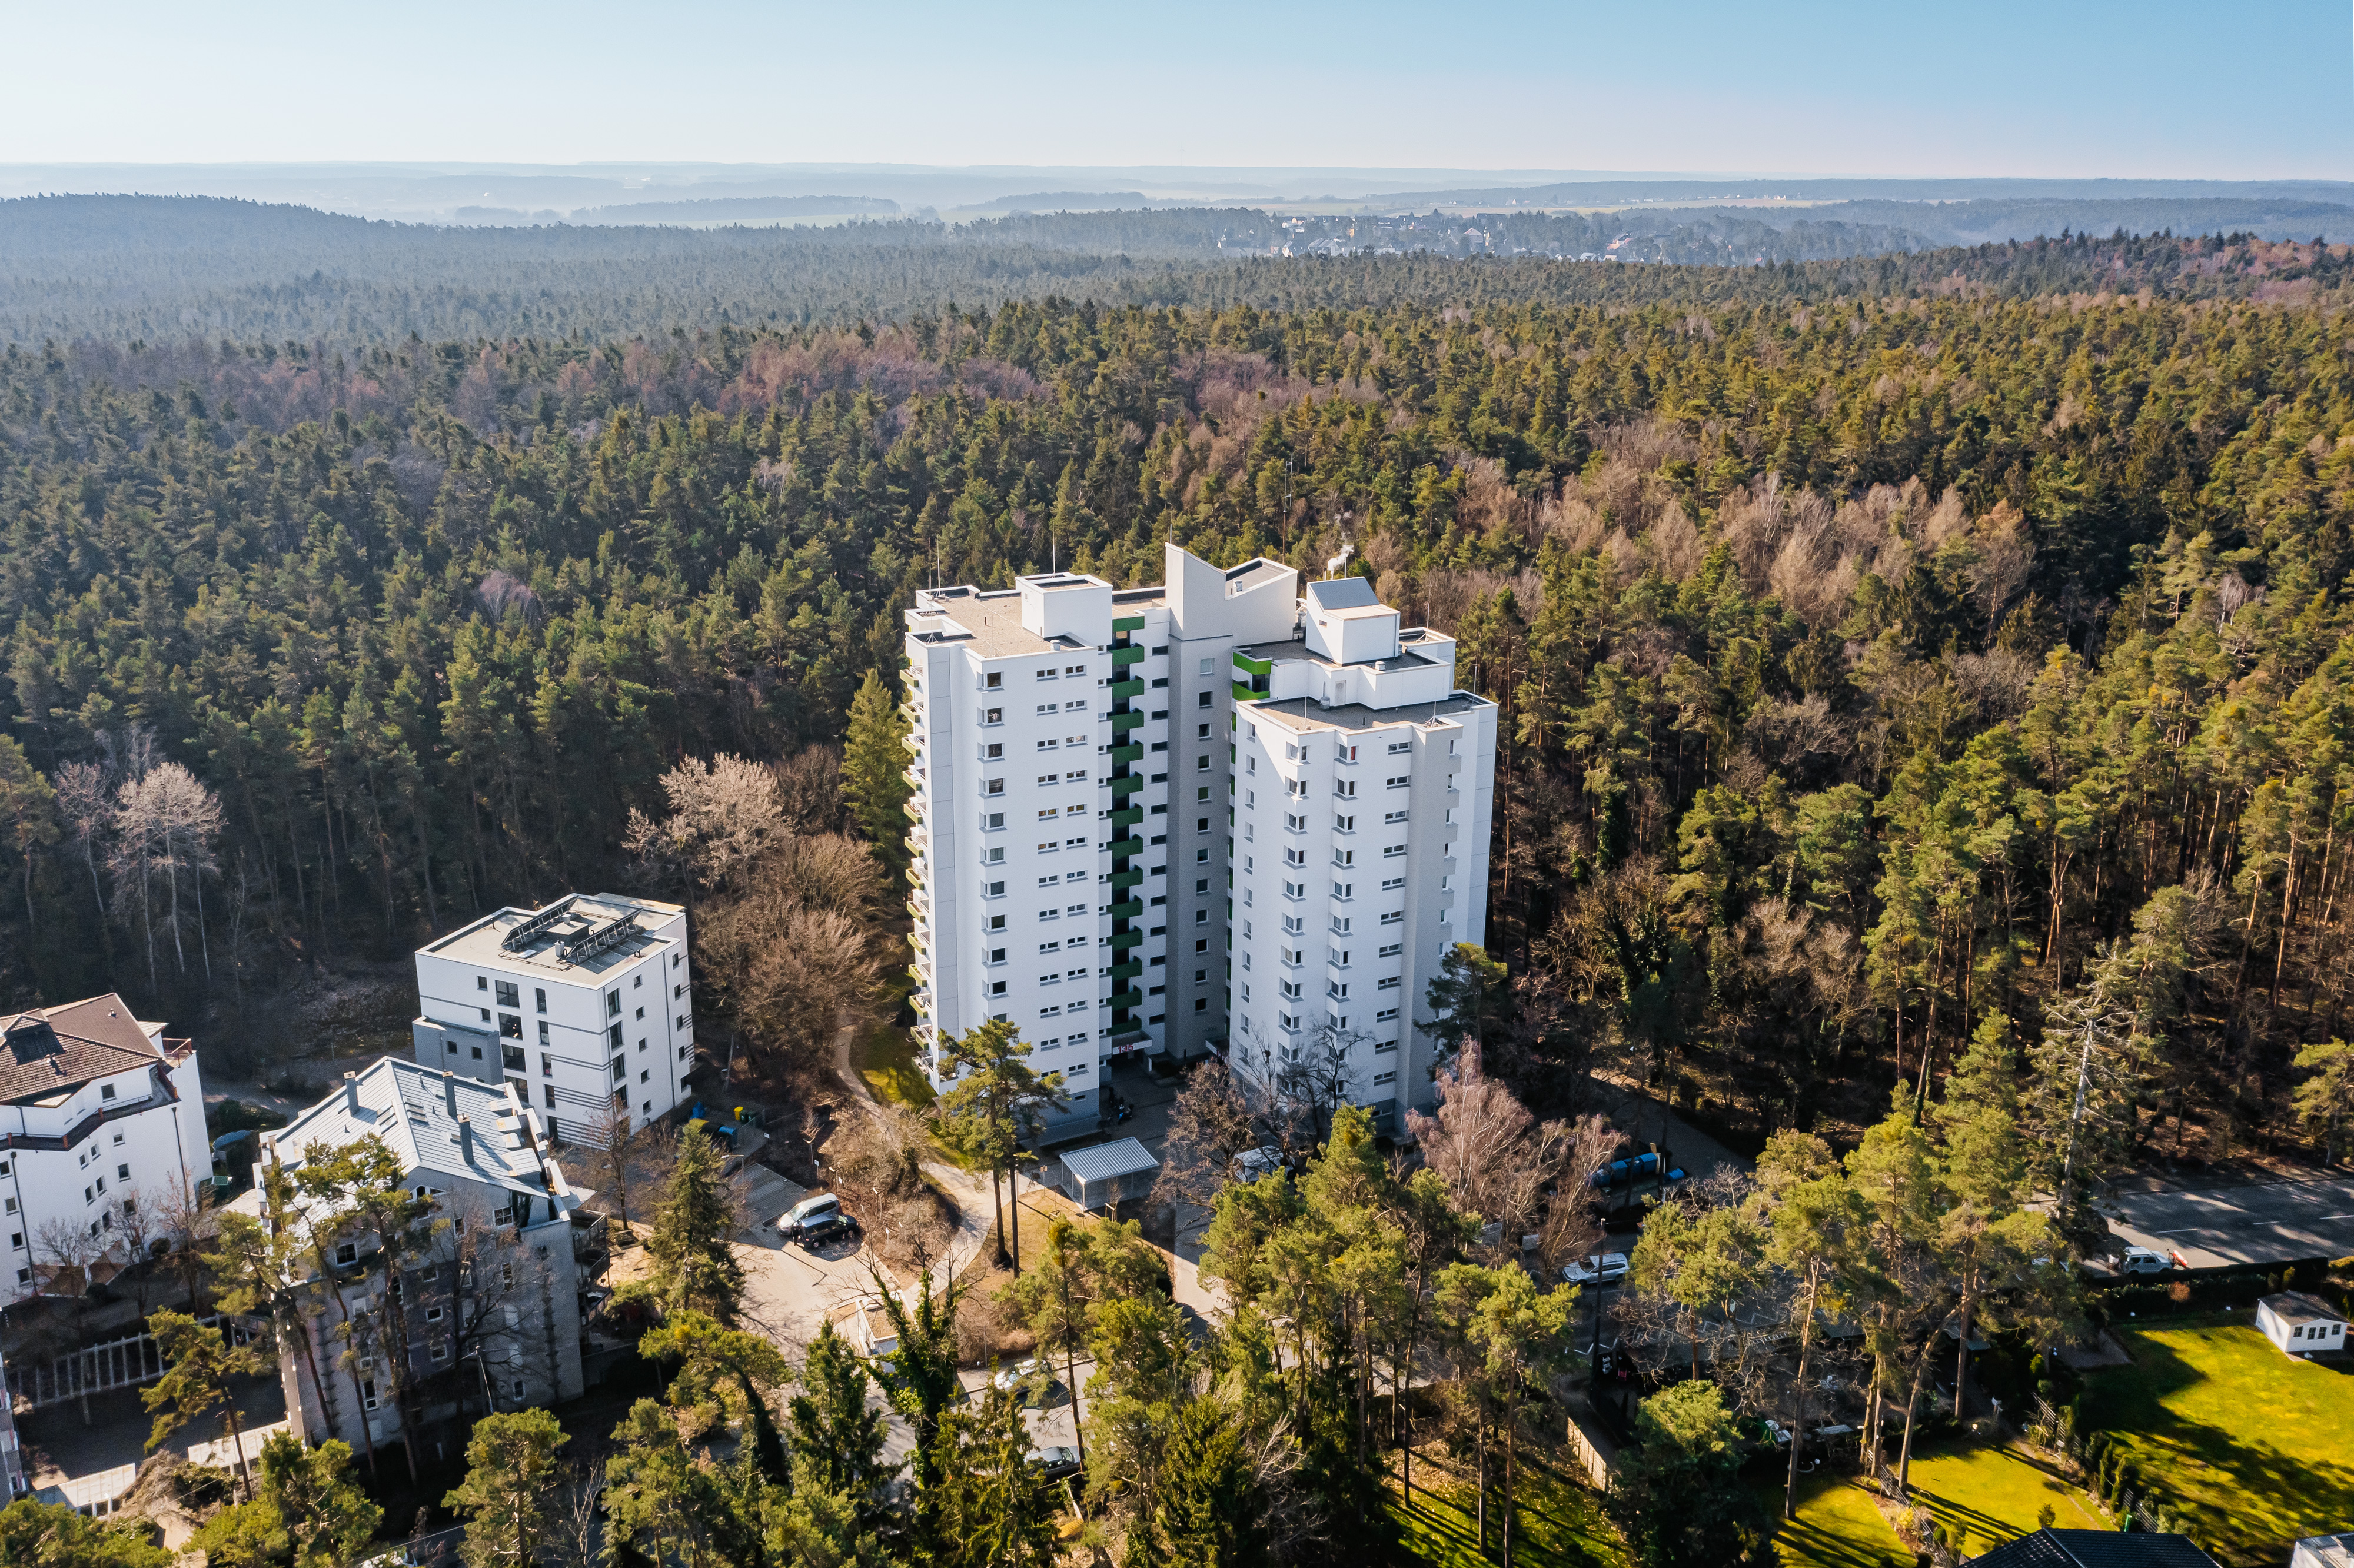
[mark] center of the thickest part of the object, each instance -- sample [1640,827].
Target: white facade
[2300,1324]
[486,1311]
[99,1114]
[583,1006]
[1092,858]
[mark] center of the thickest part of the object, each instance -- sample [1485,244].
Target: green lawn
[2254,1448]
[885,1057]
[1561,1521]
[1837,1527]
[1994,1493]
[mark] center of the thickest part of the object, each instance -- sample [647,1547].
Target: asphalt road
[2277,1222]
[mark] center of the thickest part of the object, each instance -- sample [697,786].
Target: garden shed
[2301,1324]
[1097,1177]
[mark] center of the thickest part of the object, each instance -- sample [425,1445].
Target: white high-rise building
[586,1007]
[1210,815]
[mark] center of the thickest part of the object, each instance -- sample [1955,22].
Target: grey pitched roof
[1342,593]
[408,1107]
[2094,1549]
[2297,1306]
[54,1050]
[1101,1162]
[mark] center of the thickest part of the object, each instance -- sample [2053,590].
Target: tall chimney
[450,1090]
[352,1093]
[466,1138]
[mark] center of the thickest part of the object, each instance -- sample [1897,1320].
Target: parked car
[1053,1463]
[815,1221]
[1013,1374]
[2144,1260]
[1253,1163]
[1598,1268]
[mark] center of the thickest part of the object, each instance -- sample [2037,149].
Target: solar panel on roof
[600,940]
[524,935]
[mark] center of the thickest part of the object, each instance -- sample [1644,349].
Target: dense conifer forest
[1875,663]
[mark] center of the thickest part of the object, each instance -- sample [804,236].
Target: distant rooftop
[568,938]
[409,1107]
[1306,714]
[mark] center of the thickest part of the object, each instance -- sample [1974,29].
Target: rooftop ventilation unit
[531,930]
[603,939]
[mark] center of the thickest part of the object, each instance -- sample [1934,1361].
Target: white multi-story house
[586,1007]
[99,1114]
[481,1301]
[1087,827]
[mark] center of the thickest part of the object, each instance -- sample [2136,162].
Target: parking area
[2215,1227]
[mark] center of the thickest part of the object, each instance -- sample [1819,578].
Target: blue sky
[2158,89]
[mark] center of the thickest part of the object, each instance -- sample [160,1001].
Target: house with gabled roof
[102,1136]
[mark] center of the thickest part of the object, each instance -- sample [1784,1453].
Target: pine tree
[696,1267]
[1208,1509]
[511,1474]
[837,1439]
[874,770]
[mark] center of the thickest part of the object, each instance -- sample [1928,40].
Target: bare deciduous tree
[1522,1175]
[724,815]
[164,825]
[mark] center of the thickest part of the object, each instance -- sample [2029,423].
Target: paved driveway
[2273,1221]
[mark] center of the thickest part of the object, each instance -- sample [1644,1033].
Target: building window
[123,1172]
[508,994]
[539,1000]
[481,982]
[106,1091]
[503,1217]
[511,1025]
[347,1254]
[550,1090]
[612,1004]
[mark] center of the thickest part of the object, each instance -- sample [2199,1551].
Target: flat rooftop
[992,622]
[1296,648]
[1305,713]
[545,950]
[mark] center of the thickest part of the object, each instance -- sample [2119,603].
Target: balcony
[1122,723]
[1127,971]
[1128,688]
[1124,940]
[1128,816]
[1121,787]
[1246,693]
[1127,878]
[1131,753]
[1124,999]
[1121,657]
[1126,911]
[1126,846]
[1127,623]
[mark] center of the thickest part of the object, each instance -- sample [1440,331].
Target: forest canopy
[1879,664]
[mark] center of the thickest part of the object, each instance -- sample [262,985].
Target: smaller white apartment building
[583,1006]
[483,1306]
[98,1113]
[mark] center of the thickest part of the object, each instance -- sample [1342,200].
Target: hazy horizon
[2168,90]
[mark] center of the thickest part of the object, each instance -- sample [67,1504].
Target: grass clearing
[1562,1524]
[1995,1493]
[885,1056]
[2254,1447]
[1839,1526]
